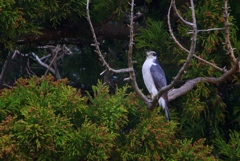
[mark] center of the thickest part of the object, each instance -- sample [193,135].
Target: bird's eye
[154,54]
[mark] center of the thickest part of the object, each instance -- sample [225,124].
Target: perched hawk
[154,79]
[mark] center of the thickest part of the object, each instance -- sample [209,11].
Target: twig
[42,63]
[29,71]
[45,57]
[68,51]
[207,30]
[6,85]
[53,60]
[98,51]
[210,64]
[181,18]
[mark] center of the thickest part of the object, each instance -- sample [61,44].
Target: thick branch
[78,34]
[190,84]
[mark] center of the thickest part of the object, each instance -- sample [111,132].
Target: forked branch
[188,59]
[174,93]
[173,4]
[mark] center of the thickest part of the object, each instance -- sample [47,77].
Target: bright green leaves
[109,110]
[43,119]
[91,141]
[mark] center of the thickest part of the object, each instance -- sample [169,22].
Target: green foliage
[153,36]
[201,116]
[91,141]
[42,93]
[42,119]
[196,151]
[19,17]
[111,113]
[108,9]
[152,138]
[230,150]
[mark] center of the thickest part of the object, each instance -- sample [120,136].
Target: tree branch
[130,61]
[210,64]
[186,64]
[227,35]
[207,30]
[55,53]
[181,18]
[180,45]
[98,51]
[43,64]
[190,84]
[174,93]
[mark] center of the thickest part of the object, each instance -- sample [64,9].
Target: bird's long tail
[162,102]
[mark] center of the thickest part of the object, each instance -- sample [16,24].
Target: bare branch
[42,63]
[130,61]
[208,30]
[29,71]
[210,64]
[55,53]
[181,18]
[186,64]
[171,32]
[227,34]
[180,45]
[174,93]
[98,51]
[190,84]
[66,50]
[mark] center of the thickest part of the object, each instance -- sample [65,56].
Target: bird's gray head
[151,55]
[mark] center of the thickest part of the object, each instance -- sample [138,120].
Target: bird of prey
[154,79]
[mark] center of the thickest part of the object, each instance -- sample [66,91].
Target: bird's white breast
[147,76]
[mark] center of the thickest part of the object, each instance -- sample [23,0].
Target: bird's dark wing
[158,76]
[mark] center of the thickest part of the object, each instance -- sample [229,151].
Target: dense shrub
[42,119]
